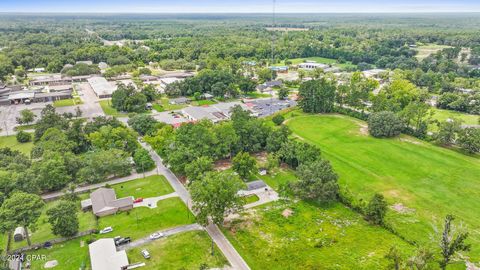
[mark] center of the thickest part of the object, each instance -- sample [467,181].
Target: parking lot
[269,106]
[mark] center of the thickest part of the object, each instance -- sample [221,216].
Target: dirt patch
[402,209]
[287,213]
[222,165]
[261,157]
[364,130]
[410,141]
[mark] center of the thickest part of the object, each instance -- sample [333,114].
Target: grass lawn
[142,221]
[109,110]
[203,102]
[70,255]
[277,178]
[187,250]
[163,105]
[257,95]
[442,115]
[67,102]
[426,50]
[321,60]
[150,186]
[429,181]
[251,199]
[11,142]
[44,233]
[311,237]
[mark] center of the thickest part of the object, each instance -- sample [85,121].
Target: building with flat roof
[310,65]
[104,255]
[101,87]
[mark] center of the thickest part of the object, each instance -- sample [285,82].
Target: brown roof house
[104,202]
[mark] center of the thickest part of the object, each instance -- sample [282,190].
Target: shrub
[384,124]
[278,119]
[376,209]
[23,137]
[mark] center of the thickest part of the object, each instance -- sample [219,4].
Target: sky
[238,6]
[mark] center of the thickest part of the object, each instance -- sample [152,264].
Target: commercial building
[215,113]
[104,255]
[101,87]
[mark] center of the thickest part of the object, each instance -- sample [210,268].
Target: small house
[178,101]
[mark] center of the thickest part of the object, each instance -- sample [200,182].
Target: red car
[138,200]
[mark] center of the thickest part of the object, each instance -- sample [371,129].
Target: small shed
[86,204]
[19,234]
[256,185]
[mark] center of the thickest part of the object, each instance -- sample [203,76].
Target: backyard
[421,182]
[11,142]
[150,186]
[189,251]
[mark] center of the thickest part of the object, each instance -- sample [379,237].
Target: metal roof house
[104,255]
[104,202]
[101,87]
[180,100]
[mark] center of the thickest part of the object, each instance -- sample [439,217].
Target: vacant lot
[305,236]
[67,102]
[151,186]
[109,110]
[142,221]
[428,182]
[11,142]
[189,250]
[426,50]
[468,119]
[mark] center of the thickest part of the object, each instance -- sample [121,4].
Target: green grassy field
[322,60]
[187,251]
[203,102]
[428,181]
[44,233]
[67,102]
[109,110]
[311,237]
[426,50]
[468,119]
[11,142]
[142,221]
[164,105]
[150,186]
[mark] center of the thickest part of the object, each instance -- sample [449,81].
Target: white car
[106,230]
[156,235]
[145,254]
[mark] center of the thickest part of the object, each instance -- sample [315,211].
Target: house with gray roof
[104,202]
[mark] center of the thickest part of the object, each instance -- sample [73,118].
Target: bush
[278,119]
[384,124]
[23,137]
[376,209]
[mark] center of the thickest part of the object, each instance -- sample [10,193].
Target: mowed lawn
[429,181]
[107,108]
[311,237]
[189,251]
[12,143]
[150,186]
[443,115]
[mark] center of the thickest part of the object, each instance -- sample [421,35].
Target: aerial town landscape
[227,135]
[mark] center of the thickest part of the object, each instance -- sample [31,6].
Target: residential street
[169,232]
[233,257]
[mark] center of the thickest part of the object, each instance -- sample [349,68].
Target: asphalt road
[233,257]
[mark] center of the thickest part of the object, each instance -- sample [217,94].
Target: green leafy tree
[277,138]
[266,74]
[278,119]
[51,171]
[283,93]
[144,124]
[469,140]
[143,160]
[49,118]
[63,219]
[376,209]
[395,257]
[316,181]
[451,243]
[244,164]
[317,96]
[447,132]
[294,153]
[23,137]
[98,165]
[384,124]
[22,209]
[26,117]
[417,116]
[421,260]
[216,196]
[120,138]
[197,169]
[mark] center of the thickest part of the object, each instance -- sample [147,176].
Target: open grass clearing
[142,221]
[443,115]
[150,186]
[12,143]
[430,180]
[109,110]
[67,102]
[426,50]
[163,105]
[43,230]
[204,102]
[189,251]
[304,236]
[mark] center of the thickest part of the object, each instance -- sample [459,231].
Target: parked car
[123,241]
[47,244]
[106,230]
[138,200]
[156,235]
[145,254]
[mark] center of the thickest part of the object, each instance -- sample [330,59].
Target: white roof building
[309,65]
[101,87]
[104,255]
